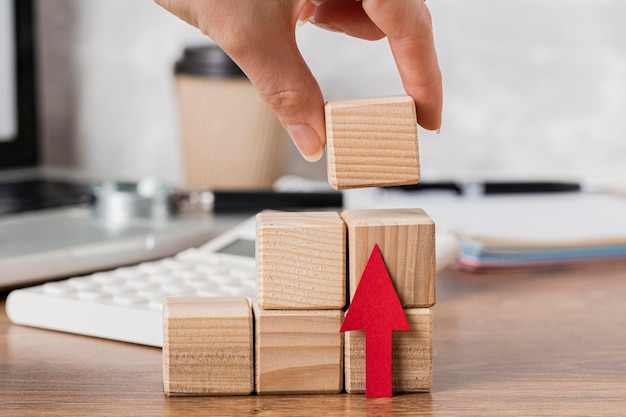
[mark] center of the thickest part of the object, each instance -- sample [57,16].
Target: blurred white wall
[533,89]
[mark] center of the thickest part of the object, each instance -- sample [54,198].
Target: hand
[260,37]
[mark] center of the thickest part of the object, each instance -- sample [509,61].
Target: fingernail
[324,26]
[437,131]
[307,141]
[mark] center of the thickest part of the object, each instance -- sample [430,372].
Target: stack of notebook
[512,231]
[541,231]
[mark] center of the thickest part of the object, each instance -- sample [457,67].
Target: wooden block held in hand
[298,351]
[406,238]
[301,260]
[372,142]
[207,346]
[412,357]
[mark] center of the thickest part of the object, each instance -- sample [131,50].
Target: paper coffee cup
[230,137]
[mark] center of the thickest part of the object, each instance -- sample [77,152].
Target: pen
[202,201]
[429,186]
[493,187]
[528,187]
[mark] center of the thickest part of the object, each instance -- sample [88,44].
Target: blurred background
[532,89]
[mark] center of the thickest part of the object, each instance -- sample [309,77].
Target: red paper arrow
[376,309]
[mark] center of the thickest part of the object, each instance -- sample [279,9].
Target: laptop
[48,228]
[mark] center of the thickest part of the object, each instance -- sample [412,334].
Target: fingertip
[308,142]
[314,157]
[428,103]
[433,123]
[432,114]
[432,126]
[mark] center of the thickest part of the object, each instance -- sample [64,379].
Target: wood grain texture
[406,238]
[412,357]
[301,260]
[372,142]
[546,343]
[207,346]
[298,351]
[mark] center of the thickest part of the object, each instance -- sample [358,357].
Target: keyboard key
[82,283]
[93,295]
[129,299]
[56,288]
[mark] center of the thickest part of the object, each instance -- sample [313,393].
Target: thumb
[286,84]
[259,37]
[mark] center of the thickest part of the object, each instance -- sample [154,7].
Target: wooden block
[406,238]
[372,142]
[412,358]
[207,346]
[298,351]
[301,260]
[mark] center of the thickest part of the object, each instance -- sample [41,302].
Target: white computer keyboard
[126,303]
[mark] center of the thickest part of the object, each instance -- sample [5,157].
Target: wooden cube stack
[303,283]
[406,238]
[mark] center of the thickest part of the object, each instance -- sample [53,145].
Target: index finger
[408,26]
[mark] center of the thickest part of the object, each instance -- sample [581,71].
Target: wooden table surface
[536,343]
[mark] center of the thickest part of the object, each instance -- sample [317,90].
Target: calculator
[125,304]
